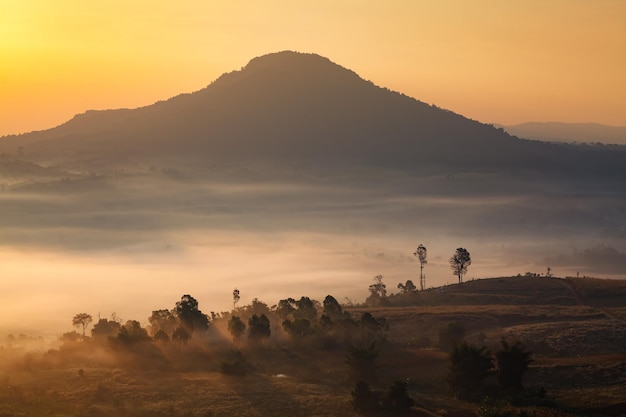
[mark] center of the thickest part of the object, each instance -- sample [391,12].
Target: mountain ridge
[299,106]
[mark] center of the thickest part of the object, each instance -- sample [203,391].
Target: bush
[451,335]
[363,400]
[234,364]
[512,361]
[469,366]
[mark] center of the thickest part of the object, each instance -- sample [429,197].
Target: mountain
[569,132]
[303,107]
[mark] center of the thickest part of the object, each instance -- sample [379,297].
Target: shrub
[469,366]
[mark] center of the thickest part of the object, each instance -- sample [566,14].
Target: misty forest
[295,240]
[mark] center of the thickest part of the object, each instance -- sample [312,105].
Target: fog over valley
[290,177]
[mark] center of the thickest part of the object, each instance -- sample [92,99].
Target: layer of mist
[136,241]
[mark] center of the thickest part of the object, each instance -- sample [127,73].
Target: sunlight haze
[504,62]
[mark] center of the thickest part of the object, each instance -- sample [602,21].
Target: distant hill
[569,132]
[522,290]
[303,107]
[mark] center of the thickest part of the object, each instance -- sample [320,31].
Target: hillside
[569,132]
[291,106]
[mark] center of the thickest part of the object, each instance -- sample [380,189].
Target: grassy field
[579,363]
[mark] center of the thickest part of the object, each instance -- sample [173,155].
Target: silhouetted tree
[181,335]
[132,332]
[459,262]
[82,320]
[161,337]
[105,328]
[298,327]
[512,362]
[332,308]
[259,327]
[378,288]
[285,308]
[469,366]
[422,254]
[305,309]
[163,320]
[191,318]
[408,287]
[236,297]
[257,307]
[236,327]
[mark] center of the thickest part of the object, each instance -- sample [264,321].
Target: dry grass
[579,356]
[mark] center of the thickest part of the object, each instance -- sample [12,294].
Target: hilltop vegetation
[303,357]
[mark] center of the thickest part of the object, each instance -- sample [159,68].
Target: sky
[496,62]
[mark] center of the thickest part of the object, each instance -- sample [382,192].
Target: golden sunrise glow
[505,62]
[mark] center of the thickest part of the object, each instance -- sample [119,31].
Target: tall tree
[191,318]
[459,262]
[422,254]
[236,297]
[82,320]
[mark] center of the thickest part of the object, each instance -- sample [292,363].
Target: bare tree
[459,262]
[421,254]
[82,319]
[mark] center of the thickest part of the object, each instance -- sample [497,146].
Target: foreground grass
[579,367]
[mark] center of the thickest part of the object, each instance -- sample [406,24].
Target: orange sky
[494,61]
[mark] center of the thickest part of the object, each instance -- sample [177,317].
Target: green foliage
[469,366]
[512,362]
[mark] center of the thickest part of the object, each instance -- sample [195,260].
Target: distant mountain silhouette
[569,132]
[296,106]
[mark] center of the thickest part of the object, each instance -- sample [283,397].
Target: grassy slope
[579,358]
